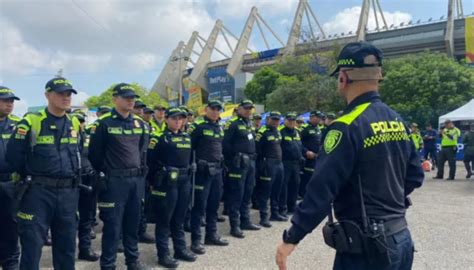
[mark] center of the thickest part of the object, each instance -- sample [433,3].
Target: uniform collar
[115,114]
[210,121]
[364,98]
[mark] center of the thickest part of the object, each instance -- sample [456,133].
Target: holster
[21,187]
[101,182]
[209,168]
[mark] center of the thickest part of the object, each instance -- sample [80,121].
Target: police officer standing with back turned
[169,156]
[45,151]
[311,140]
[118,144]
[9,249]
[270,167]
[240,153]
[206,137]
[366,169]
[449,147]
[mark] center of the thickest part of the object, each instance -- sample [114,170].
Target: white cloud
[239,8]
[94,36]
[348,19]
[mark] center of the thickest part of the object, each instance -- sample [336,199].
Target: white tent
[463,113]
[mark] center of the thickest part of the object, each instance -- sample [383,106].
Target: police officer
[468,141]
[311,140]
[45,147]
[138,108]
[292,150]
[449,147]
[118,144]
[9,249]
[330,117]
[87,199]
[148,115]
[257,121]
[240,153]
[270,167]
[416,136]
[206,137]
[367,168]
[169,156]
[158,124]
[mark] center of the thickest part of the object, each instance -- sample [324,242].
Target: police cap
[354,54]
[104,109]
[215,104]
[124,90]
[175,111]
[246,103]
[290,116]
[59,85]
[7,93]
[275,115]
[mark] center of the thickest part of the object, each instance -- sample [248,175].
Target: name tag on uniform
[250,136]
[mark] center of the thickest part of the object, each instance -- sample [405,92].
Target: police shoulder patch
[332,140]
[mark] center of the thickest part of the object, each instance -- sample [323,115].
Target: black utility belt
[347,236]
[55,182]
[205,163]
[126,172]
[179,171]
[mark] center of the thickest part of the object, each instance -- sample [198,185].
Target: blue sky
[101,42]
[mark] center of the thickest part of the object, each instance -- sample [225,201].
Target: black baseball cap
[159,107]
[175,111]
[315,113]
[257,116]
[104,109]
[246,103]
[59,85]
[215,104]
[147,110]
[124,90]
[7,93]
[331,116]
[290,116]
[275,115]
[353,56]
[139,104]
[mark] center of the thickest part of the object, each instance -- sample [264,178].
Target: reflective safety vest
[449,137]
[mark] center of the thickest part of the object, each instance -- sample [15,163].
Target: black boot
[88,255]
[185,255]
[237,232]
[120,247]
[249,226]
[220,219]
[278,217]
[215,240]
[198,248]
[167,261]
[265,223]
[136,266]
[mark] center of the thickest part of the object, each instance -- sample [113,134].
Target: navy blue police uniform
[118,149]
[169,157]
[240,154]
[9,248]
[293,159]
[366,168]
[270,169]
[311,140]
[45,147]
[206,138]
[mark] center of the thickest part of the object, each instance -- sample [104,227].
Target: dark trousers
[171,203]
[44,208]
[9,248]
[270,183]
[143,220]
[289,190]
[401,256]
[207,196]
[447,154]
[241,182]
[120,208]
[469,162]
[308,171]
[432,154]
[87,210]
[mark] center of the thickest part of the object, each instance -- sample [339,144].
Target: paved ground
[441,222]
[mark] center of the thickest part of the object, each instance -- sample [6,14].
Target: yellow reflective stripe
[183,145]
[177,139]
[45,140]
[69,140]
[105,205]
[6,136]
[265,178]
[350,117]
[234,175]
[158,193]
[287,138]
[112,130]
[308,169]
[24,216]
[137,131]
[196,187]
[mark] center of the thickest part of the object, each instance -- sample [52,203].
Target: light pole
[180,70]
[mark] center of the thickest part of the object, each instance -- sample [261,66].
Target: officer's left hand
[283,251]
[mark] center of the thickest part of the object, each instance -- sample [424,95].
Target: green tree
[424,86]
[151,99]
[263,83]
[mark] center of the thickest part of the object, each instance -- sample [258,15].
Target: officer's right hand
[310,155]
[283,251]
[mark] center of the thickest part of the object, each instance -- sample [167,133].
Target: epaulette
[281,127]
[262,129]
[234,118]
[351,116]
[105,115]
[14,118]
[199,121]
